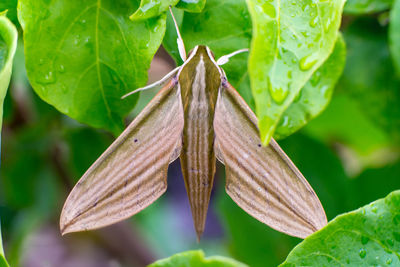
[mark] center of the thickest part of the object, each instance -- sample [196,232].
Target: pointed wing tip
[199,233]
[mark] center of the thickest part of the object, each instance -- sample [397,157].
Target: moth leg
[159,83]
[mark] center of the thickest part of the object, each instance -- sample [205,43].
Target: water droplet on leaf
[307,62]
[362,253]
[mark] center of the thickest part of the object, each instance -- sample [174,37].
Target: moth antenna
[224,59]
[155,84]
[181,45]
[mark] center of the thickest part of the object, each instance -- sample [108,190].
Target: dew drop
[289,74]
[390,242]
[61,68]
[298,96]
[41,61]
[389,261]
[269,10]
[307,63]
[362,253]
[83,21]
[285,121]
[316,78]
[278,95]
[325,91]
[327,25]
[49,78]
[314,22]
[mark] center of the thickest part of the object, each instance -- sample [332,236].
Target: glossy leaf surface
[357,7]
[368,236]
[150,9]
[85,58]
[316,93]
[291,39]
[194,6]
[8,45]
[196,258]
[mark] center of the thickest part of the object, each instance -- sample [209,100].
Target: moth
[199,117]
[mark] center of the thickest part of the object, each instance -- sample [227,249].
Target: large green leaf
[195,6]
[368,236]
[394,34]
[8,45]
[291,39]
[196,258]
[316,93]
[152,8]
[3,262]
[83,59]
[366,6]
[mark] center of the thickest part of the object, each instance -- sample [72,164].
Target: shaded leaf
[346,122]
[194,6]
[368,236]
[316,93]
[358,7]
[291,39]
[195,258]
[150,9]
[369,76]
[85,58]
[394,35]
[8,45]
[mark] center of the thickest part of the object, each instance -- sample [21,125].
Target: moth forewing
[262,180]
[132,172]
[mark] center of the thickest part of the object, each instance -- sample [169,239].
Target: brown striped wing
[132,172]
[262,180]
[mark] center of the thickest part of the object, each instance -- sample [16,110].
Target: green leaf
[394,34]
[83,59]
[369,77]
[195,6]
[224,28]
[3,262]
[346,122]
[152,8]
[316,93]
[196,258]
[368,236]
[8,45]
[357,7]
[291,39]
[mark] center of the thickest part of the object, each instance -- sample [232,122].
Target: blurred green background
[349,154]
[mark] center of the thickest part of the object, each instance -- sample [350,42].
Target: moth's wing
[262,180]
[132,172]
